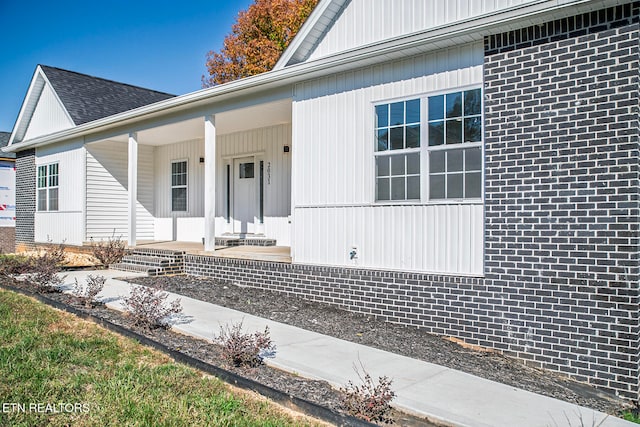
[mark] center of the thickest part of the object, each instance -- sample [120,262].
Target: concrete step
[150,261]
[151,271]
[244,241]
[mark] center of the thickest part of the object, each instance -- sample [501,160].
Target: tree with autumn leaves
[257,39]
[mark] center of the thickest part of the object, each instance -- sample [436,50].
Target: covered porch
[196,183]
[241,251]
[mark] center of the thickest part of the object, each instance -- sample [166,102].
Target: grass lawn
[92,377]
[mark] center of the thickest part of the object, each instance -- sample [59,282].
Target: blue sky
[159,44]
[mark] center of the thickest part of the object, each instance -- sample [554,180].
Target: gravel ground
[407,341]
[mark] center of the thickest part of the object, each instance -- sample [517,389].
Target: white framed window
[398,151]
[47,187]
[433,141]
[455,145]
[179,186]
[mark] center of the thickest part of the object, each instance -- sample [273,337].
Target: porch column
[133,186]
[209,183]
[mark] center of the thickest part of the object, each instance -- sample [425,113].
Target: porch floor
[260,253]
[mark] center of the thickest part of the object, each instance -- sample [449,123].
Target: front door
[244,195]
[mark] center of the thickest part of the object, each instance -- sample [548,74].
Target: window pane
[413,163]
[473,184]
[53,169]
[454,186]
[413,187]
[382,166]
[397,165]
[454,160]
[42,200]
[397,114]
[397,138]
[454,131]
[246,170]
[42,176]
[413,111]
[178,199]
[436,161]
[436,107]
[53,199]
[397,188]
[436,133]
[454,104]
[383,139]
[472,102]
[473,159]
[436,186]
[382,115]
[472,129]
[383,189]
[413,136]
[53,180]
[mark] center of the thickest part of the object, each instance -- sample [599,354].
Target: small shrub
[148,307]
[14,265]
[43,272]
[244,349]
[368,401]
[91,289]
[110,252]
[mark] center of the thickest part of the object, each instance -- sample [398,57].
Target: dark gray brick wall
[25,198]
[561,194]
[561,237]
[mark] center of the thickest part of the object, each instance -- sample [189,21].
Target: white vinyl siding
[65,224]
[48,117]
[368,21]
[107,197]
[334,188]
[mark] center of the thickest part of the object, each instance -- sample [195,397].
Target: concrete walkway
[422,388]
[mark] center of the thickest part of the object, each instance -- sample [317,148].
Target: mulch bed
[318,392]
[369,331]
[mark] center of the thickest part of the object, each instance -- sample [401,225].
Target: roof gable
[87,98]
[338,26]
[58,99]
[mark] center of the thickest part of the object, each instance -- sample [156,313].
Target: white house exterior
[7,197]
[469,167]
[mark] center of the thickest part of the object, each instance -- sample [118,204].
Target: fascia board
[431,39]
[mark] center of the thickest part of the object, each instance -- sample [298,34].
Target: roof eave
[407,45]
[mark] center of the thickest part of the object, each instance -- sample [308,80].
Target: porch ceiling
[270,114]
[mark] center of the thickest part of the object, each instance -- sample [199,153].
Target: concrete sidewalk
[424,389]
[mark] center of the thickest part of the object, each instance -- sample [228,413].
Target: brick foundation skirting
[7,240]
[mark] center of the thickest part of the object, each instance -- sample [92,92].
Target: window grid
[179,186]
[449,164]
[47,185]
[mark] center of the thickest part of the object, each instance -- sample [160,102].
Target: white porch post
[209,183]
[133,186]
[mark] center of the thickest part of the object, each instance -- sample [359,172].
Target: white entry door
[244,195]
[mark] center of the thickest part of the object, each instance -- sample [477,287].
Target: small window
[246,170]
[179,186]
[47,186]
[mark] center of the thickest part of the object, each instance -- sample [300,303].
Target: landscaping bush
[109,252]
[89,291]
[148,307]
[369,401]
[244,349]
[44,269]
[14,265]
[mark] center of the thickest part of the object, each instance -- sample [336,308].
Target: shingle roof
[4,140]
[89,98]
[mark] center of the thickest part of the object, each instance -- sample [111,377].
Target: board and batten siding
[65,225]
[182,226]
[368,21]
[49,116]
[334,173]
[267,145]
[107,201]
